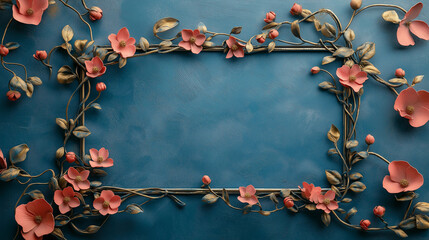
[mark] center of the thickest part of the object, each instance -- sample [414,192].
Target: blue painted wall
[262,120]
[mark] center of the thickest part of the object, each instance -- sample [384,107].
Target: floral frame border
[73,192]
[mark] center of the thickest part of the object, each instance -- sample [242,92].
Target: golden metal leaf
[249,46]
[333,177]
[270,25]
[65,75]
[328,59]
[391,16]
[295,29]
[59,153]
[417,79]
[144,44]
[422,221]
[271,46]
[334,134]
[326,219]
[67,33]
[422,206]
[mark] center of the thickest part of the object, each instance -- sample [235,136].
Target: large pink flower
[122,43]
[418,28]
[107,203]
[414,106]
[35,218]
[310,192]
[66,199]
[235,48]
[95,67]
[29,11]
[100,158]
[247,195]
[403,178]
[352,77]
[79,180]
[327,202]
[3,163]
[192,40]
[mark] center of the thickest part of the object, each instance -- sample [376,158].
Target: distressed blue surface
[169,119]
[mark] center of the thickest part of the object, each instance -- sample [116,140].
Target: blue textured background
[169,119]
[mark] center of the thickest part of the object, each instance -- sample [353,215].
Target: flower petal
[423,98]
[107,195]
[333,205]
[64,208]
[405,98]
[68,192]
[104,153]
[391,186]
[72,173]
[39,207]
[98,203]
[196,49]
[200,39]
[128,51]
[415,179]
[413,12]
[229,54]
[252,200]
[46,226]
[361,77]
[112,211]
[354,70]
[251,190]
[397,170]
[123,34]
[30,235]
[344,72]
[94,154]
[404,36]
[84,174]
[107,163]
[115,201]
[239,53]
[24,218]
[330,195]
[420,29]
[74,202]
[187,34]
[230,42]
[420,116]
[58,197]
[185,45]
[83,185]
[242,191]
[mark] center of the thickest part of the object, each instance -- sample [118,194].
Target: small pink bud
[379,211]
[40,55]
[315,70]
[13,95]
[400,73]
[270,17]
[71,157]
[288,202]
[206,180]
[296,9]
[95,13]
[356,4]
[100,87]
[4,51]
[260,38]
[364,224]
[273,33]
[369,139]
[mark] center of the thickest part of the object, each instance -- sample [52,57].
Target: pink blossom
[122,43]
[107,203]
[247,195]
[235,48]
[364,224]
[4,51]
[66,199]
[79,180]
[100,87]
[192,40]
[95,13]
[95,67]
[400,73]
[369,139]
[100,158]
[260,38]
[206,180]
[35,218]
[40,55]
[310,192]
[413,105]
[273,33]
[270,17]
[352,77]
[403,178]
[327,202]
[418,28]
[13,95]
[379,211]
[29,11]
[296,9]
[3,163]
[288,202]
[315,70]
[71,157]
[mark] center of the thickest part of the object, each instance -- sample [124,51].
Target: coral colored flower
[310,192]
[315,70]
[288,202]
[414,106]
[364,224]
[192,40]
[369,139]
[400,73]
[296,9]
[100,87]
[247,195]
[3,163]
[79,180]
[4,51]
[71,157]
[270,17]
[95,13]
[379,211]
[122,43]
[35,218]
[100,158]
[352,77]
[66,199]
[261,38]
[273,33]
[327,202]
[403,178]
[235,48]
[418,28]
[40,55]
[29,11]
[206,180]
[107,203]
[13,95]
[95,67]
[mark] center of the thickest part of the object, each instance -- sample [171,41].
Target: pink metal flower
[66,199]
[192,40]
[352,77]
[3,163]
[71,157]
[206,180]
[100,158]
[247,195]
[35,218]
[379,211]
[273,33]
[414,106]
[79,180]
[107,203]
[403,178]
[296,9]
[235,48]
[100,87]
[327,202]
[364,224]
[288,202]
[40,55]
[13,95]
[4,51]
[95,13]
[29,11]
[95,67]
[399,73]
[369,139]
[418,28]
[270,17]
[122,43]
[310,192]
[261,38]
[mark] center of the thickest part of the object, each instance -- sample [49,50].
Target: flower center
[192,40]
[66,200]
[407,24]
[38,219]
[95,69]
[78,179]
[410,110]
[100,159]
[122,43]
[234,47]
[326,201]
[106,204]
[404,183]
[352,78]
[247,195]
[30,11]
